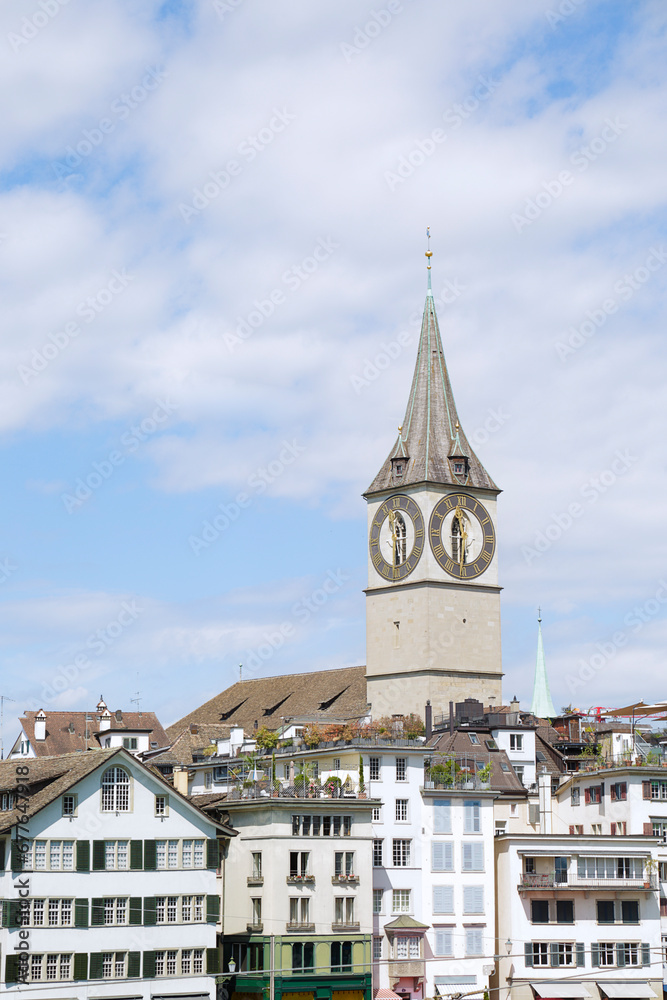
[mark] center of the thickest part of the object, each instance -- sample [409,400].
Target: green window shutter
[212,960]
[81,913]
[149,965]
[83,855]
[3,859]
[16,916]
[595,955]
[98,855]
[528,954]
[212,853]
[135,910]
[133,964]
[150,862]
[80,967]
[646,954]
[553,948]
[17,857]
[149,911]
[96,912]
[11,968]
[5,913]
[620,955]
[212,909]
[581,954]
[136,855]
[96,965]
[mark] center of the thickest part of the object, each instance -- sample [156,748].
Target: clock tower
[433,599]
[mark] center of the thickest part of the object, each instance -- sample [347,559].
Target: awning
[628,991]
[385,995]
[567,991]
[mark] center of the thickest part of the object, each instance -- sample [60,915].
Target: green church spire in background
[542,705]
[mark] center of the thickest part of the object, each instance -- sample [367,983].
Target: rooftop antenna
[137,701]
[3,699]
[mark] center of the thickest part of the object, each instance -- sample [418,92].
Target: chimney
[428,720]
[515,704]
[194,728]
[181,779]
[451,718]
[40,726]
[119,715]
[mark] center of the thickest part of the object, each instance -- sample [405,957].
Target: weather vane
[429,252]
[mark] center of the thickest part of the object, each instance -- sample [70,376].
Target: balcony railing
[300,879]
[255,880]
[256,928]
[281,790]
[569,880]
[298,928]
[345,879]
[342,928]
[399,969]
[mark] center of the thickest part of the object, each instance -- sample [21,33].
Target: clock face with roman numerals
[462,536]
[397,538]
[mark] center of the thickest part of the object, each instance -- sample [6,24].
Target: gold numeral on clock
[449,566]
[439,551]
[377,559]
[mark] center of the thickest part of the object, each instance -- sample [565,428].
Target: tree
[266,739]
[362,783]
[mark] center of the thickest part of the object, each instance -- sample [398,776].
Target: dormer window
[399,467]
[459,466]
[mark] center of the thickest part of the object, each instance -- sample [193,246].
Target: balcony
[255,928]
[344,928]
[296,928]
[569,880]
[300,879]
[255,880]
[345,879]
[399,969]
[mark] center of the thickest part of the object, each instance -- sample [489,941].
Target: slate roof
[431,431]
[322,696]
[59,740]
[458,745]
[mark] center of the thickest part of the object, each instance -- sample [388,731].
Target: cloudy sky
[212,225]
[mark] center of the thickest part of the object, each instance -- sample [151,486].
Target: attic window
[399,467]
[226,715]
[274,708]
[540,756]
[491,744]
[474,738]
[504,766]
[324,705]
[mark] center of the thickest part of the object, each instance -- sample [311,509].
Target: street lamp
[508,946]
[232,966]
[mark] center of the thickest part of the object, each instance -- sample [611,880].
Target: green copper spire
[542,706]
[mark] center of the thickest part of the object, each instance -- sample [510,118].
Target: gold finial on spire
[429,252]
[400,430]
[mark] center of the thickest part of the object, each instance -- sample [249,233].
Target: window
[593,794]
[658,790]
[443,941]
[401,810]
[406,948]
[344,863]
[606,954]
[256,911]
[627,954]
[474,739]
[341,956]
[474,941]
[373,768]
[302,956]
[130,742]
[161,805]
[442,816]
[514,809]
[400,901]
[69,805]
[324,826]
[401,853]
[208,779]
[377,949]
[56,855]
[473,856]
[56,967]
[298,863]
[605,911]
[575,796]
[630,911]
[336,764]
[115,790]
[377,814]
[619,791]
[562,954]
[116,855]
[540,953]
[472,822]
[660,830]
[539,911]
[564,911]
[442,856]
[443,898]
[377,900]
[256,864]
[518,770]
[299,910]
[619,829]
[344,910]
[473,899]
[516,741]
[401,769]
[377,854]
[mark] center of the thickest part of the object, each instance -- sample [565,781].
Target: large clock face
[461,535]
[397,537]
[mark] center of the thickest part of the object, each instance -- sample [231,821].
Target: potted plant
[333,786]
[484,775]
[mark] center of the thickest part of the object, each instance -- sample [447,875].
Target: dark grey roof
[431,431]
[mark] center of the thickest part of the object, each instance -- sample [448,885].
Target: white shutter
[442,816]
[474,941]
[471,817]
[443,899]
[473,899]
[443,941]
[473,857]
[442,856]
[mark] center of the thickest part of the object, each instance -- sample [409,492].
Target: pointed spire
[542,706]
[428,255]
[431,437]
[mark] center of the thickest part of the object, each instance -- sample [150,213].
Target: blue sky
[212,221]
